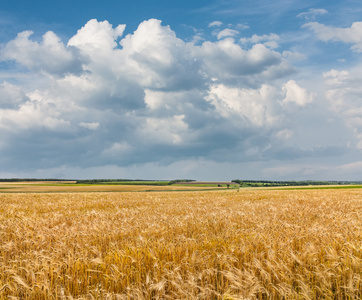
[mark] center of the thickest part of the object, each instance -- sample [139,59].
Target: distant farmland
[117,186]
[209,183]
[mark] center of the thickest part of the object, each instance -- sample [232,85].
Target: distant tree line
[180,180]
[98,181]
[123,181]
[132,181]
[256,183]
[31,179]
[90,181]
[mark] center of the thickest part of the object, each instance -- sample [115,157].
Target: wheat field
[247,244]
[46,187]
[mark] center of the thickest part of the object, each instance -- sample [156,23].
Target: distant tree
[180,180]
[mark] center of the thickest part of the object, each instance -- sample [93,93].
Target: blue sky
[207,90]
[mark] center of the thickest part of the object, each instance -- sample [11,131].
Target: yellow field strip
[41,187]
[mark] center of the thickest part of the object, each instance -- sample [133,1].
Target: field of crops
[50,187]
[227,244]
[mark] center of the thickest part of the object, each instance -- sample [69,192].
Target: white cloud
[296,94]
[97,36]
[244,106]
[272,37]
[343,90]
[344,93]
[90,125]
[312,13]
[215,24]
[145,97]
[11,96]
[225,59]
[50,55]
[270,40]
[352,35]
[242,26]
[157,59]
[168,131]
[335,77]
[227,33]
[29,116]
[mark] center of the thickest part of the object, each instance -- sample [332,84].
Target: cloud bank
[108,99]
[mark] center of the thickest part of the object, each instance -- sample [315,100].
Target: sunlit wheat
[251,244]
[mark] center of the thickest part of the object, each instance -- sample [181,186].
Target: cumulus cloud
[227,33]
[244,106]
[335,77]
[50,55]
[97,36]
[144,97]
[351,35]
[225,59]
[215,24]
[296,94]
[157,59]
[11,96]
[167,131]
[344,93]
[270,40]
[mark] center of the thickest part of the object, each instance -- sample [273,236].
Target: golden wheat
[251,244]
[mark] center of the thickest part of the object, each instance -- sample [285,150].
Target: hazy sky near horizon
[206,90]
